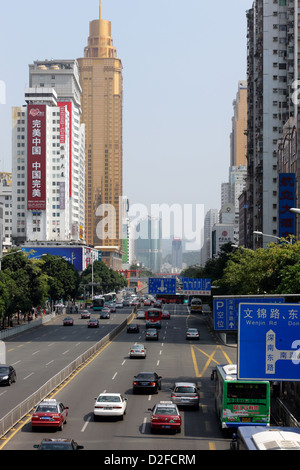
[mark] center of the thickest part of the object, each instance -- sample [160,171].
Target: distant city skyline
[181,67]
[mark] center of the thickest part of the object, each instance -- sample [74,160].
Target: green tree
[62,277]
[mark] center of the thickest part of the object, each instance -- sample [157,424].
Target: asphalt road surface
[172,356]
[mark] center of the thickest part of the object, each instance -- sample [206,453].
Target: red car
[50,413]
[165,416]
[68,321]
[85,314]
[166,315]
[147,302]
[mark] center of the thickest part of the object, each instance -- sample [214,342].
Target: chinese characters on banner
[286,202]
[36,157]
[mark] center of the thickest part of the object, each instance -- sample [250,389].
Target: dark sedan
[105,314]
[58,444]
[7,375]
[133,328]
[146,381]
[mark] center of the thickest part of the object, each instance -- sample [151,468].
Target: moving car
[133,328]
[7,374]
[146,381]
[112,307]
[119,304]
[57,444]
[50,413]
[110,404]
[166,315]
[138,350]
[185,394]
[85,314]
[105,314]
[93,323]
[165,416]
[140,314]
[151,333]
[68,321]
[192,333]
[147,303]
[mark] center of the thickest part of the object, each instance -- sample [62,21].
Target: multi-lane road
[41,353]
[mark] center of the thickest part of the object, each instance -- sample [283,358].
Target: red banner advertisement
[67,105]
[36,157]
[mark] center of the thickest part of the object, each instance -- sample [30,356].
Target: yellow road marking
[209,360]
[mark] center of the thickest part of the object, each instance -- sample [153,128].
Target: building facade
[238,137]
[102,102]
[44,205]
[271,72]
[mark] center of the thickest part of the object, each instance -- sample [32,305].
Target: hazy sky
[182,61]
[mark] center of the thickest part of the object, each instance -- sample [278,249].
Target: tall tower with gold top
[102,110]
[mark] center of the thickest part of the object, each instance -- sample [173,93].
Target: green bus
[240,402]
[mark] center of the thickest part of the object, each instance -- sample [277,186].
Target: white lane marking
[114,376]
[85,424]
[144,425]
[28,376]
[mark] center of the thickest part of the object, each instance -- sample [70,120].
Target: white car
[119,305]
[110,404]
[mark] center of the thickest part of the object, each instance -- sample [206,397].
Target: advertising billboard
[36,157]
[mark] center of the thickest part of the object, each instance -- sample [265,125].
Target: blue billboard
[78,256]
[269,342]
[226,310]
[287,197]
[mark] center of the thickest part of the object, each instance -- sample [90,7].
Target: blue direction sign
[192,286]
[226,310]
[161,285]
[269,342]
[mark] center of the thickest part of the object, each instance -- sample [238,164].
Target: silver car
[192,333]
[138,350]
[185,394]
[140,314]
[151,333]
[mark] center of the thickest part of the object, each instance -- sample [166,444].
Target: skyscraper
[44,207]
[238,137]
[271,69]
[102,101]
[63,76]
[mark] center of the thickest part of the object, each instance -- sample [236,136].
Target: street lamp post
[271,236]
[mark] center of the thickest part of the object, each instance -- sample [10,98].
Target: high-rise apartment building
[102,97]
[45,203]
[63,76]
[270,73]
[238,137]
